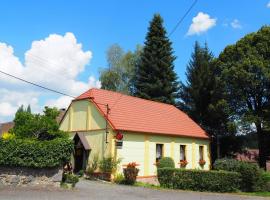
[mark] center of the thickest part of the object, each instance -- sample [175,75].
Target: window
[201,150]
[159,152]
[182,152]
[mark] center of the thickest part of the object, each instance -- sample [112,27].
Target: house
[249,155]
[252,156]
[105,123]
[5,127]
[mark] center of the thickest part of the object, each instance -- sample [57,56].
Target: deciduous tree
[246,72]
[119,75]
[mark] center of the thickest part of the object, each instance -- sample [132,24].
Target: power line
[37,85]
[48,62]
[183,17]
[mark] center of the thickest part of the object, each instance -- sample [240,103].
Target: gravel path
[102,191]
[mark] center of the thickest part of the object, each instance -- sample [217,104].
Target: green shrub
[198,180]
[108,164]
[166,162]
[80,173]
[251,174]
[119,179]
[39,126]
[266,181]
[70,178]
[131,173]
[92,167]
[226,164]
[34,153]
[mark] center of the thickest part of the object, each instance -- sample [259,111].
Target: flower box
[183,163]
[202,162]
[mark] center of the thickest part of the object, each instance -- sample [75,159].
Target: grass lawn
[261,194]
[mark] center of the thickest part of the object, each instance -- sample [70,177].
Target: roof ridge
[133,97]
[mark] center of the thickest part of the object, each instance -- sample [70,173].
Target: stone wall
[19,176]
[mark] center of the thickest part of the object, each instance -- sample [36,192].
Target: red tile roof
[129,113]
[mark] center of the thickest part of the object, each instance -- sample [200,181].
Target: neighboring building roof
[129,113]
[4,127]
[249,155]
[62,113]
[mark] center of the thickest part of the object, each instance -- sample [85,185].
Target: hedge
[251,174]
[198,180]
[34,153]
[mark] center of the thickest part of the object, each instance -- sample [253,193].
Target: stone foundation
[20,176]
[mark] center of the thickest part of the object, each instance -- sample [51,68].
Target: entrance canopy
[83,141]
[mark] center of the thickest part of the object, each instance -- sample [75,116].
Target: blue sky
[98,24]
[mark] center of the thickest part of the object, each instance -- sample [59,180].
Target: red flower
[183,163]
[202,162]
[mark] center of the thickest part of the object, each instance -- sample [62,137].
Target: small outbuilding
[105,123]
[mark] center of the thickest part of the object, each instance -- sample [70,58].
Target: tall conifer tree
[202,95]
[155,77]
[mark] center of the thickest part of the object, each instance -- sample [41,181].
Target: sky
[62,44]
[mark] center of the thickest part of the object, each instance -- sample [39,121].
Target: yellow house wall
[79,116]
[99,147]
[82,116]
[141,148]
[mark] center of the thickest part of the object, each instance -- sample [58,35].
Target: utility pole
[107,118]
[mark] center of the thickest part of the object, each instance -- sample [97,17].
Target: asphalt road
[102,191]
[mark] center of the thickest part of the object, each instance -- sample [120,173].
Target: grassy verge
[261,194]
[147,185]
[151,186]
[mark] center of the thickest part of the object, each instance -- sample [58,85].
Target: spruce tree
[28,108]
[202,95]
[155,77]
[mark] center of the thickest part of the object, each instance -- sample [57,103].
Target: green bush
[108,164]
[92,167]
[266,181]
[166,162]
[226,164]
[251,174]
[119,179]
[70,178]
[198,180]
[39,126]
[34,153]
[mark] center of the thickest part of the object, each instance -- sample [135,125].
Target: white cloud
[236,24]
[11,100]
[54,62]
[268,5]
[6,109]
[201,23]
[61,102]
